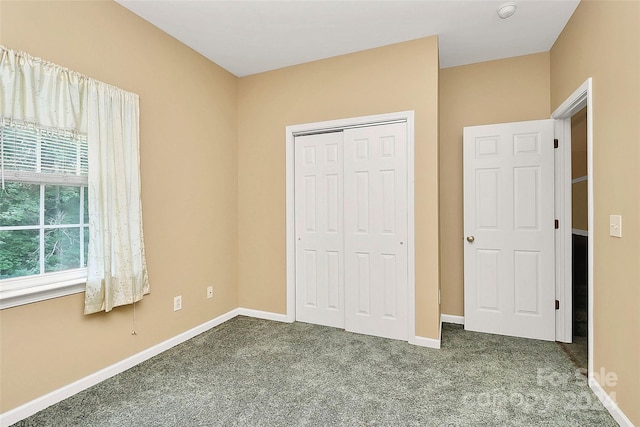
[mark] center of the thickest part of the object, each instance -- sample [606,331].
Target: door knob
[470,239]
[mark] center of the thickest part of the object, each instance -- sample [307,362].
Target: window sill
[27,290]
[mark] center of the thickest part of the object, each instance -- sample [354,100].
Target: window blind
[32,154]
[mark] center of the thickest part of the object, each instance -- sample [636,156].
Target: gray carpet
[578,352]
[250,372]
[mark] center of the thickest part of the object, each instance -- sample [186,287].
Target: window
[43,209]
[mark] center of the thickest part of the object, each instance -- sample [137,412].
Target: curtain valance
[42,93]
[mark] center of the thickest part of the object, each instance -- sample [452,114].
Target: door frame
[334,125]
[580,98]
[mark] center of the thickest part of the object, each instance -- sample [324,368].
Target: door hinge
[555,143]
[557,224]
[557,305]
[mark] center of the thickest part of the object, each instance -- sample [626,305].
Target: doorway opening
[574,240]
[578,349]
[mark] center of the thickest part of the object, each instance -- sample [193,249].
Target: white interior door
[319,230]
[509,276]
[375,189]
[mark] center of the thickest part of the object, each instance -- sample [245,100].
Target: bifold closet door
[375,218]
[319,229]
[351,229]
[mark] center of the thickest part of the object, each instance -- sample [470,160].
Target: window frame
[22,290]
[27,289]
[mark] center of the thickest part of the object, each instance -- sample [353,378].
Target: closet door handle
[470,239]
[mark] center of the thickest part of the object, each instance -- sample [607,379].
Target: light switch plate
[615,225]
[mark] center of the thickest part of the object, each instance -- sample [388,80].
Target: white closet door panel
[375,218]
[319,229]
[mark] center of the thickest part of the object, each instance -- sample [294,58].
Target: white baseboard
[610,404]
[450,318]
[263,315]
[30,408]
[425,342]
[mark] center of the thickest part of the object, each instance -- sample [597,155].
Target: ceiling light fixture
[507,10]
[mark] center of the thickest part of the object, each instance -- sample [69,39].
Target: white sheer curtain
[116,267]
[43,94]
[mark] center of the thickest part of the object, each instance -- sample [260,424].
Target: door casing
[317,127]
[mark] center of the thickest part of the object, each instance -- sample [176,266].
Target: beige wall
[189,190]
[579,217]
[388,79]
[579,144]
[508,90]
[602,41]
[579,212]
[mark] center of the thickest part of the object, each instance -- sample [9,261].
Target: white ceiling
[249,37]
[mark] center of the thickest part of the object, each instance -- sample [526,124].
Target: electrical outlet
[210,292]
[177,303]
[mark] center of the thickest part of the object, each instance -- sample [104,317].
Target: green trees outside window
[43,228]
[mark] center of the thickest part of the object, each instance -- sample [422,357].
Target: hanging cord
[133,329]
